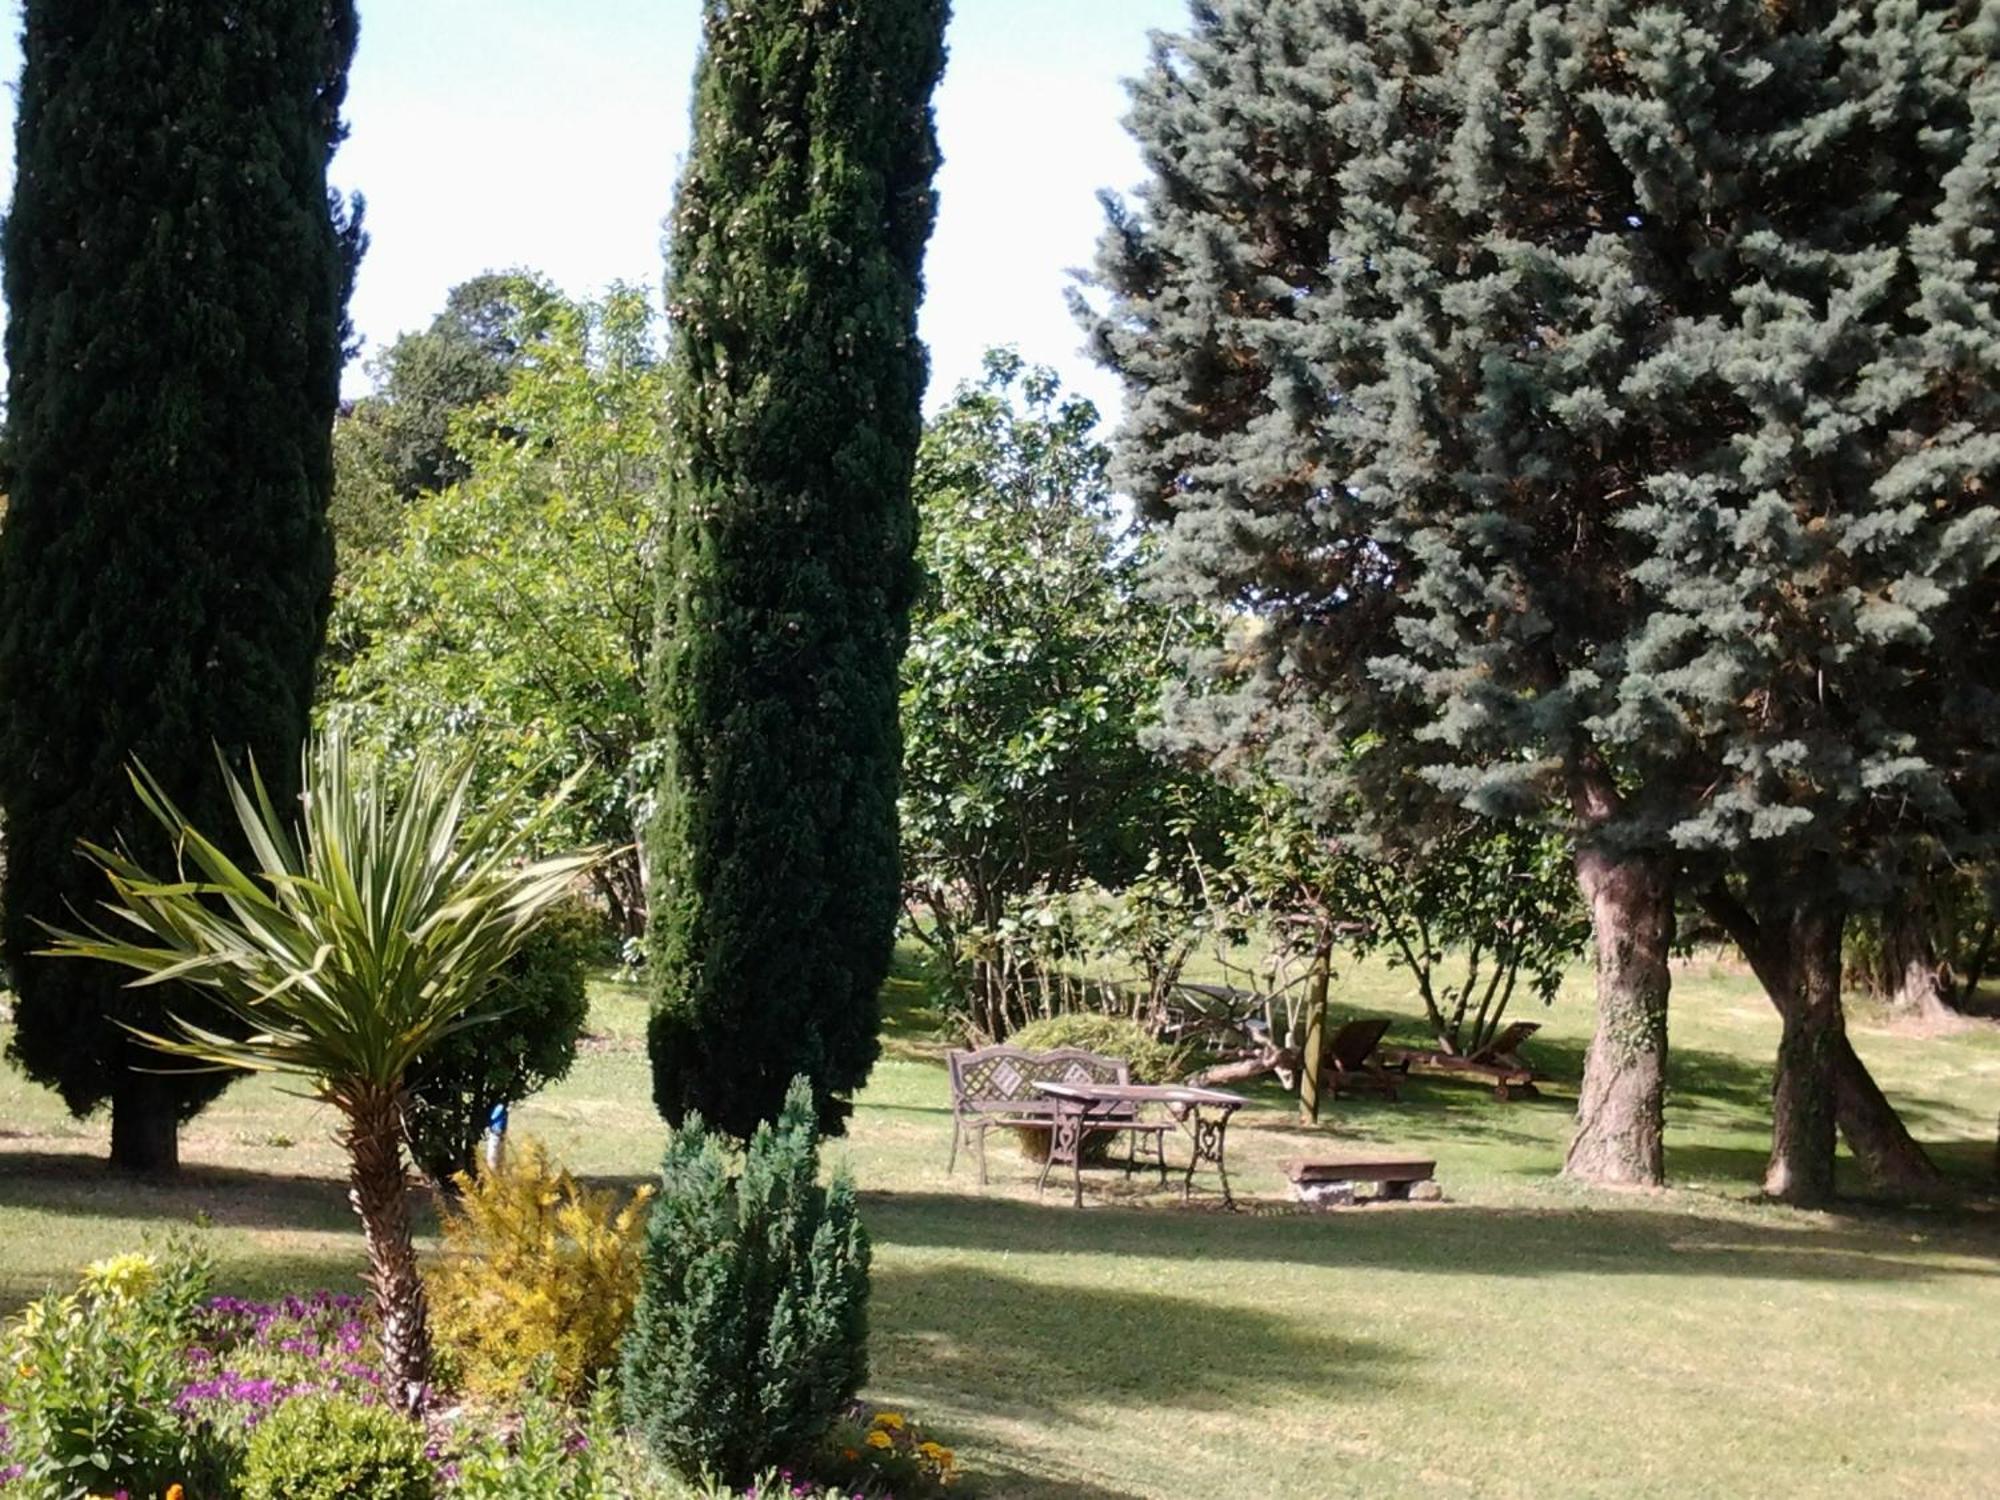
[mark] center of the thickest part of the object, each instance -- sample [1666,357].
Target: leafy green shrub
[536,1268]
[331,1445]
[453,1087]
[751,1334]
[553,1452]
[1108,1036]
[90,1379]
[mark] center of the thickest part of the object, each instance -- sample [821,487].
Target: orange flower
[175,1492]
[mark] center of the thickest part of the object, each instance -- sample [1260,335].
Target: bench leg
[980,1146]
[957,1129]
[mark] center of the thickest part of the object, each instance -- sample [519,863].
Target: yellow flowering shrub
[535,1265]
[124,1277]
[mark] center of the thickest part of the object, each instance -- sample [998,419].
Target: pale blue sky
[547,133]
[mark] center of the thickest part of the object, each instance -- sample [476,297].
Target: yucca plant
[371,926]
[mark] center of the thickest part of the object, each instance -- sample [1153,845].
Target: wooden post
[1309,1063]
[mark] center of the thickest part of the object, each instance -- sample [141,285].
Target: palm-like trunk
[380,1192]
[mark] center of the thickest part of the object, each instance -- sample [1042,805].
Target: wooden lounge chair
[1350,1063]
[1499,1062]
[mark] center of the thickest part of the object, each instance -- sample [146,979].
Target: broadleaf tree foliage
[177,277]
[794,382]
[1593,404]
[1034,671]
[514,611]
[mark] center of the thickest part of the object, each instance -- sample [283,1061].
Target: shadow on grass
[1027,1354]
[1032,1351]
[79,1186]
[259,1275]
[1448,1241]
[1004,1482]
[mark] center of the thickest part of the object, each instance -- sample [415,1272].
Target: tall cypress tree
[1592,402]
[786,574]
[177,278]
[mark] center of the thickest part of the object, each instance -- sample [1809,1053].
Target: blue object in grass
[496,1136]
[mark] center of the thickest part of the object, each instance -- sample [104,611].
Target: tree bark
[1883,1147]
[379,1191]
[145,1126]
[1312,1056]
[1282,1061]
[1913,980]
[1620,1114]
[1802,1089]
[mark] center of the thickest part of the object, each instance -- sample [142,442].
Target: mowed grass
[1524,1338]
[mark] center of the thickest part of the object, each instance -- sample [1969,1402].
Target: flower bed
[140,1332]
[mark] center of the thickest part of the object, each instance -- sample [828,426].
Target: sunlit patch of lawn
[1524,1338]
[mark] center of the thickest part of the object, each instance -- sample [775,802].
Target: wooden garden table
[1084,1108]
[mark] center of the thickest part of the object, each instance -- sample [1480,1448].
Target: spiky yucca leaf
[345,951]
[357,939]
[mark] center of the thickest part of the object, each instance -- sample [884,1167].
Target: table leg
[1191,1122]
[1077,1136]
[1222,1159]
[1208,1141]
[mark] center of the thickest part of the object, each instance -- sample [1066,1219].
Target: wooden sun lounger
[1352,1065]
[1498,1063]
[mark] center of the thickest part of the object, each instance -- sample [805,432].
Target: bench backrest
[1004,1077]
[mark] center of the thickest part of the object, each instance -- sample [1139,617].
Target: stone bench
[1332,1179]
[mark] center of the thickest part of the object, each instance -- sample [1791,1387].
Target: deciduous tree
[515,610]
[1034,671]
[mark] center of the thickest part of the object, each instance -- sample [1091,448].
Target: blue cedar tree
[1589,408]
[786,573]
[177,277]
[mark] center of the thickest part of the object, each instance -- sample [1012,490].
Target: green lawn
[1524,1338]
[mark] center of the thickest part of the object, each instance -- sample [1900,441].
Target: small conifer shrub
[751,1334]
[536,1267]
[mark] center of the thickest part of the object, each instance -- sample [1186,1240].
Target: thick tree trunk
[1913,981]
[1883,1147]
[145,1126]
[379,1191]
[1802,1089]
[1620,1116]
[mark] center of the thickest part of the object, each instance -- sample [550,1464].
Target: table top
[1139,1093]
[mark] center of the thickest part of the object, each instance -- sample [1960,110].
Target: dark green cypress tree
[786,574]
[1592,403]
[177,277]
